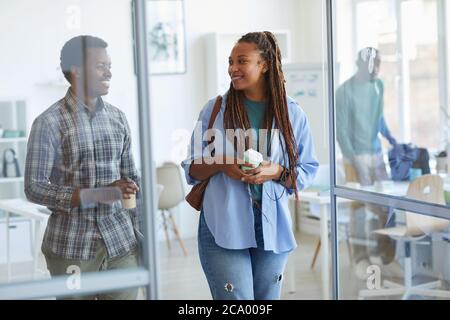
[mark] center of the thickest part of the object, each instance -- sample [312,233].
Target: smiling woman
[246,70]
[232,227]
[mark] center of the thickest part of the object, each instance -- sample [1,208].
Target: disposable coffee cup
[129,203]
[253,157]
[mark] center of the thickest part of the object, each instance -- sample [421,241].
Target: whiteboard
[306,84]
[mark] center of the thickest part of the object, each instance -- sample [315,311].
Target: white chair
[343,220]
[427,188]
[170,178]
[323,179]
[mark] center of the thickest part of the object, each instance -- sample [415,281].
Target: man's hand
[265,172]
[75,201]
[127,186]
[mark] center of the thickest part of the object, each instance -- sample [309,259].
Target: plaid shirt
[69,148]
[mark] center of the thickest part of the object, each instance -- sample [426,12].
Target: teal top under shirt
[360,117]
[256,111]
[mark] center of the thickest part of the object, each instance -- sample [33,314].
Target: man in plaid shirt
[78,145]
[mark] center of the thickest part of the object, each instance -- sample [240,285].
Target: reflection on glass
[419,266]
[359,120]
[390,138]
[79,164]
[73,208]
[421,65]
[388,124]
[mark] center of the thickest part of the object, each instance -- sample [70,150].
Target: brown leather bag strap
[195,196]
[214,113]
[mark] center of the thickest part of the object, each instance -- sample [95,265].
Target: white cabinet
[13,136]
[218,47]
[13,141]
[20,243]
[22,227]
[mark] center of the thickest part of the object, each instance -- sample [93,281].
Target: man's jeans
[59,266]
[244,274]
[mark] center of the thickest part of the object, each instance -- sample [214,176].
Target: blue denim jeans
[245,274]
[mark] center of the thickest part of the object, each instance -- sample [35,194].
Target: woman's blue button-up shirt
[227,203]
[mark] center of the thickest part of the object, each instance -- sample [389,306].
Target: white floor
[181,278]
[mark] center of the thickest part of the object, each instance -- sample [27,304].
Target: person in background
[245,230]
[359,121]
[80,144]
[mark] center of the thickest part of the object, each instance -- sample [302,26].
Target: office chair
[169,176]
[427,188]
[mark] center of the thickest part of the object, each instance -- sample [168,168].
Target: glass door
[76,202]
[387,134]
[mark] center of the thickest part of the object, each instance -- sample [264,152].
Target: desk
[398,189]
[394,188]
[38,213]
[323,201]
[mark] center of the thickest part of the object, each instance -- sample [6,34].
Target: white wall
[312,23]
[30,57]
[33,33]
[39,29]
[186,94]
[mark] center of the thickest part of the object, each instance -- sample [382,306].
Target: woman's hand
[232,168]
[265,172]
[208,167]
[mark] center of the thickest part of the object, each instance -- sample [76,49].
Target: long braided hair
[235,116]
